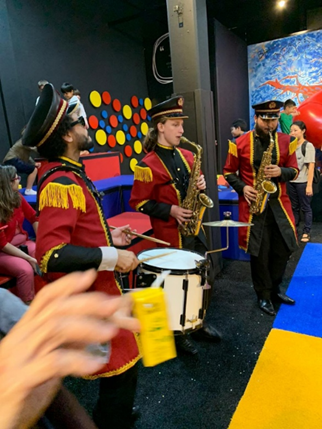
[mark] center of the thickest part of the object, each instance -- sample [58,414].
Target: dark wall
[228,64]
[65,41]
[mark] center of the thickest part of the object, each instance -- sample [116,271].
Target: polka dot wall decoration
[119,125]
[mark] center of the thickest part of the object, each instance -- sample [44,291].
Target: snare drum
[184,286]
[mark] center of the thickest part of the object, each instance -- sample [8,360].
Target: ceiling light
[281,4]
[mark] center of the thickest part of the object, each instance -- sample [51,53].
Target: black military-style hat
[268,109]
[48,114]
[169,109]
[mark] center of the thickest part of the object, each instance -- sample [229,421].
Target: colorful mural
[120,127]
[285,68]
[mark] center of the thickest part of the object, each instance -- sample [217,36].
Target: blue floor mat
[306,288]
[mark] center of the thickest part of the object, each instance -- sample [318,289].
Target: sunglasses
[80,121]
[16,178]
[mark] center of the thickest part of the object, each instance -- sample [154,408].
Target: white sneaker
[30,192]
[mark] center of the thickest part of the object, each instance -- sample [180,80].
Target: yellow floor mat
[285,389]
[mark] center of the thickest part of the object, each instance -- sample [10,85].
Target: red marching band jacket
[71,215]
[239,169]
[153,181]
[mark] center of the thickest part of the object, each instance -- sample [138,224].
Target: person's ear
[68,137]
[160,127]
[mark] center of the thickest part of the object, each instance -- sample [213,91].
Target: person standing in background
[76,106]
[238,128]
[300,190]
[287,115]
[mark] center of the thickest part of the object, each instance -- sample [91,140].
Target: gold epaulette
[292,147]
[232,148]
[56,195]
[143,174]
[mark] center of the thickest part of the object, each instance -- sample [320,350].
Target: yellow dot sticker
[137,147]
[95,98]
[147,103]
[133,163]
[101,137]
[127,112]
[120,137]
[144,128]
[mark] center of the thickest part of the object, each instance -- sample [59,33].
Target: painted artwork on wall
[289,68]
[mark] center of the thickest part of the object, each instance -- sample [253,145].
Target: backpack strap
[303,148]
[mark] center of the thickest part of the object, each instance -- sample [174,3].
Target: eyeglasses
[80,121]
[16,178]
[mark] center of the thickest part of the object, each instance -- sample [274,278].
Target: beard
[264,135]
[85,143]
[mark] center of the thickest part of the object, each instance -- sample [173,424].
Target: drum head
[178,261]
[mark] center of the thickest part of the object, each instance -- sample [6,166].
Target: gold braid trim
[143,174]
[47,255]
[138,206]
[292,147]
[185,161]
[55,123]
[56,195]
[232,148]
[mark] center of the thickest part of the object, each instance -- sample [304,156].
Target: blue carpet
[306,288]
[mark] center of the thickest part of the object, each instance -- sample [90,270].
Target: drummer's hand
[201,183]
[249,194]
[180,214]
[126,261]
[121,238]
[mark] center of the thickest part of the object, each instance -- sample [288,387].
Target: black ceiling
[253,20]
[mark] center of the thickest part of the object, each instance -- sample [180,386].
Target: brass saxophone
[263,186]
[195,200]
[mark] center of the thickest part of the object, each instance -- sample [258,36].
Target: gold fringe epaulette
[232,148]
[143,174]
[292,147]
[56,195]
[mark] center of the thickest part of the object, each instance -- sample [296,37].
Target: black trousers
[268,267]
[300,201]
[116,397]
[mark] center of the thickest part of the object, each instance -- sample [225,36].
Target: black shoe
[184,344]
[207,333]
[267,306]
[285,299]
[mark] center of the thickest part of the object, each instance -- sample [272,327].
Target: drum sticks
[145,237]
[149,258]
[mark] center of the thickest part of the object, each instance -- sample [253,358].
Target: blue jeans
[300,201]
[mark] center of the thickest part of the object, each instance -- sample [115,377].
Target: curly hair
[151,139]
[55,145]
[10,199]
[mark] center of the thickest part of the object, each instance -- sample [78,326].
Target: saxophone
[263,186]
[195,200]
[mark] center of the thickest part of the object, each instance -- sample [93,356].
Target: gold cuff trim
[115,371]
[47,255]
[138,206]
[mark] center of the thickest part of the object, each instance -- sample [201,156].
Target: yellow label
[157,341]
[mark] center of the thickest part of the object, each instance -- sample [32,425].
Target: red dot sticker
[114,121]
[136,118]
[121,157]
[143,114]
[128,151]
[111,140]
[133,131]
[116,105]
[106,97]
[134,101]
[93,122]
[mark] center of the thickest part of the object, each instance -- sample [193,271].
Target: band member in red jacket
[160,185]
[73,236]
[272,238]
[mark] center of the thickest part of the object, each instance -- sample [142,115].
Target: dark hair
[66,87]
[301,125]
[151,139]
[10,199]
[240,123]
[76,92]
[55,145]
[289,103]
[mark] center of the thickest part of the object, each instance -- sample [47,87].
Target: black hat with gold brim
[169,109]
[48,114]
[269,109]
